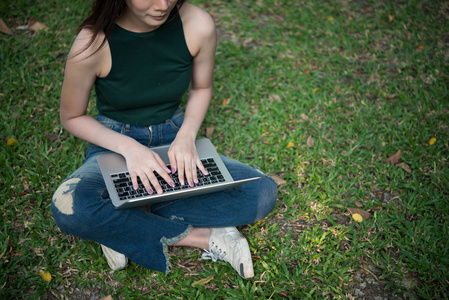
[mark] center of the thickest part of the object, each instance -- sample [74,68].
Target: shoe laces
[214,253]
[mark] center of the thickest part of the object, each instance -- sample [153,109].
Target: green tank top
[150,73]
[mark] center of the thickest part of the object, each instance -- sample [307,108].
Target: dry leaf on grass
[51,137]
[358,204]
[226,102]
[274,97]
[363,213]
[310,142]
[203,281]
[278,179]
[35,25]
[210,131]
[394,159]
[405,167]
[109,297]
[4,28]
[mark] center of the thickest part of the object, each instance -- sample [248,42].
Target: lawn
[345,103]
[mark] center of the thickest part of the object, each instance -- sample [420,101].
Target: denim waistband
[150,136]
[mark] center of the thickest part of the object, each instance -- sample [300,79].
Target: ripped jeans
[81,205]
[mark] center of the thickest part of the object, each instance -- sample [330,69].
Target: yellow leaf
[315,90]
[383,144]
[432,141]
[331,19]
[12,142]
[290,144]
[357,218]
[226,102]
[421,47]
[45,275]
[203,281]
[390,17]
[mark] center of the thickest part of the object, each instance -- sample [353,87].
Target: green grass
[364,79]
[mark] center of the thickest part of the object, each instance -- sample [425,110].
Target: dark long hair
[102,18]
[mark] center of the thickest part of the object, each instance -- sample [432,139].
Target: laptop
[122,194]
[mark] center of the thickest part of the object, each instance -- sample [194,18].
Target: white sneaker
[229,245]
[115,259]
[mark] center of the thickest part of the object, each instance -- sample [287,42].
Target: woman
[141,55]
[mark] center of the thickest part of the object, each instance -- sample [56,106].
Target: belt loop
[127,127]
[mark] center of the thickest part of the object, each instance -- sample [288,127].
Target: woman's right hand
[142,162]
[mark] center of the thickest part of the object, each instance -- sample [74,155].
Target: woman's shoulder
[87,45]
[90,52]
[194,17]
[199,26]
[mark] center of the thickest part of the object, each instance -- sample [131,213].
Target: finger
[200,166]
[134,181]
[172,159]
[181,173]
[146,183]
[155,183]
[188,172]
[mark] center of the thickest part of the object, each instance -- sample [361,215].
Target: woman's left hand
[184,158]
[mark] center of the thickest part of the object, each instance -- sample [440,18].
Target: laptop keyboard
[125,190]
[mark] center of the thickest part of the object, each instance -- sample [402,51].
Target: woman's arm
[80,74]
[200,33]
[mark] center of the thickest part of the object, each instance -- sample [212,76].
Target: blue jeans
[81,205]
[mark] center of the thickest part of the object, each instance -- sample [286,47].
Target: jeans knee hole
[63,197]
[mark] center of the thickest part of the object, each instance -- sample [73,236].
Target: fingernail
[191,184]
[173,170]
[150,191]
[182,182]
[159,191]
[196,181]
[135,187]
[172,184]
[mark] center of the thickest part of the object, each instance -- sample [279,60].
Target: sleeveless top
[150,73]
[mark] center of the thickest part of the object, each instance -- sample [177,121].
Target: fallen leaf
[210,131]
[357,218]
[51,137]
[331,19]
[368,9]
[226,102]
[203,281]
[358,204]
[315,90]
[304,116]
[405,167]
[310,142]
[421,47]
[394,159]
[315,206]
[278,179]
[12,142]
[274,97]
[390,17]
[35,25]
[432,141]
[4,28]
[45,275]
[364,214]
[108,297]
[290,144]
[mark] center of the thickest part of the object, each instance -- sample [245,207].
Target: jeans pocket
[176,120]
